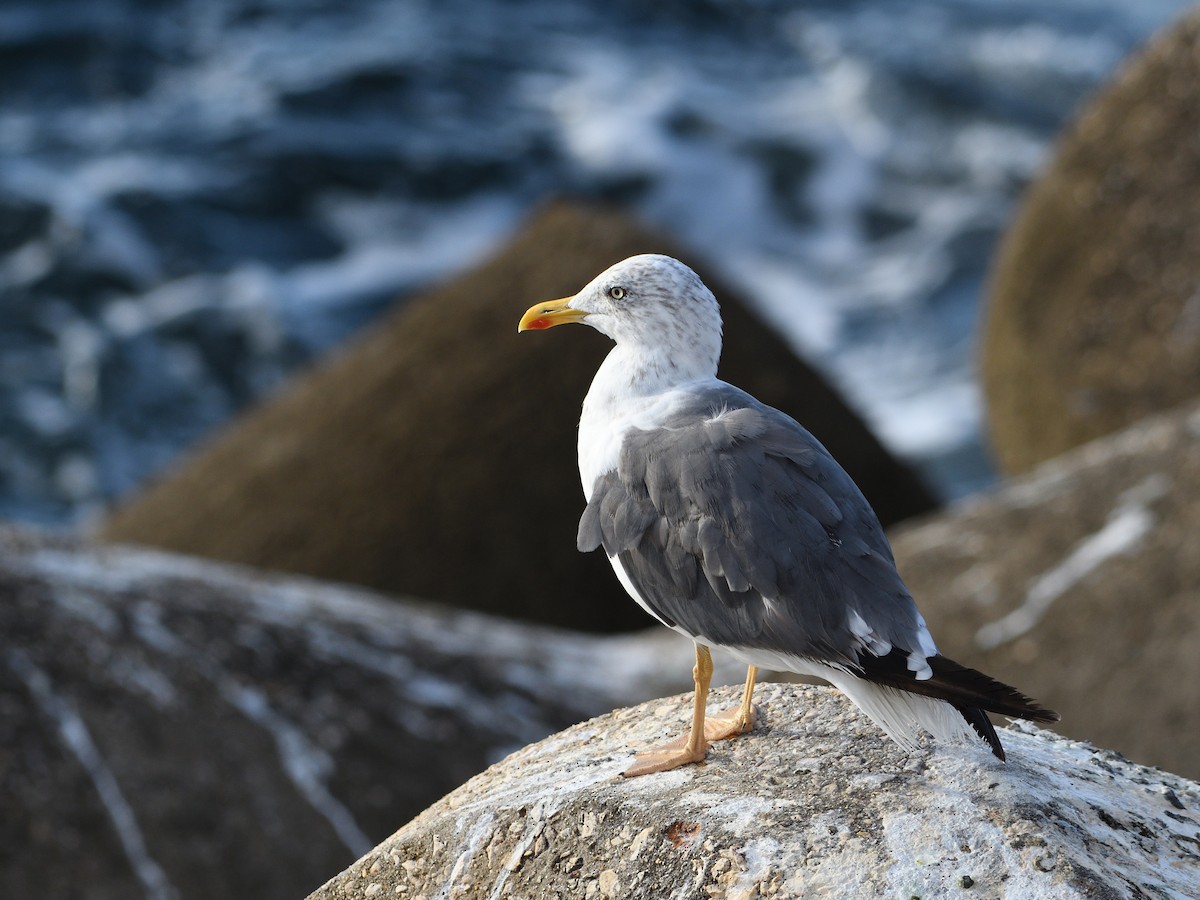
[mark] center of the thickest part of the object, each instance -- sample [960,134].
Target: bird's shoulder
[723,456]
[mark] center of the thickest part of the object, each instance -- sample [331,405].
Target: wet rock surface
[816,801]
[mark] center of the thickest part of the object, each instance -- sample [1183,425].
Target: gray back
[735,524]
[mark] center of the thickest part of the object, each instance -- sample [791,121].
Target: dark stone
[254,735]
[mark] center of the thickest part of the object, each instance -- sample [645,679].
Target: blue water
[198,197]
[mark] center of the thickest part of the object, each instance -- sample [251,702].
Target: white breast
[615,404]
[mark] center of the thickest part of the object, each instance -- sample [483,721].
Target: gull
[730,523]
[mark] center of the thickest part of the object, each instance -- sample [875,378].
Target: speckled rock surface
[1093,317]
[181,729]
[1080,583]
[815,802]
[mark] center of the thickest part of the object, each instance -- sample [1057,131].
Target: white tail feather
[901,714]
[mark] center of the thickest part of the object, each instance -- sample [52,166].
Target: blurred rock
[816,802]
[177,728]
[1094,316]
[1080,583]
[436,456]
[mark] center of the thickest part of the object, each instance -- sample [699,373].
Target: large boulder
[436,455]
[1080,583]
[1093,319]
[814,803]
[178,728]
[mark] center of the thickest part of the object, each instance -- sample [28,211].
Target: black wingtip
[957,684]
[978,720]
[988,693]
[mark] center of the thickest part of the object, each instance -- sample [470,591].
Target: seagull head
[651,304]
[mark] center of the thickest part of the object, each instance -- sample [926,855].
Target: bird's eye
[617,293]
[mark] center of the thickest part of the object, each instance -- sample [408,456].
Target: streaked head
[650,301]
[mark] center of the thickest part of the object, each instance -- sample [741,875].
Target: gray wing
[735,524]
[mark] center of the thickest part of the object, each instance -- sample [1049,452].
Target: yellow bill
[549,314]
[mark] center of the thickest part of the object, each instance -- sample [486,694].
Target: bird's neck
[633,388]
[631,373]
[634,375]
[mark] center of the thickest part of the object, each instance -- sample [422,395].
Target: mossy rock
[1094,315]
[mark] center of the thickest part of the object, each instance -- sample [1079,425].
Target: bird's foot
[729,724]
[669,756]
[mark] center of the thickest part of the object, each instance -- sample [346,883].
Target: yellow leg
[735,721]
[692,747]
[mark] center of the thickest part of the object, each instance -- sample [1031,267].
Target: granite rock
[815,802]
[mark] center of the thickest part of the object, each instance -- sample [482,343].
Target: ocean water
[198,197]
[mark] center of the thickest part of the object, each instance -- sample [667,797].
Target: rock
[1080,582]
[436,456]
[178,728]
[815,802]
[1093,318]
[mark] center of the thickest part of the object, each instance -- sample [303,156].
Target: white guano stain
[535,824]
[77,738]
[1127,526]
[759,855]
[479,834]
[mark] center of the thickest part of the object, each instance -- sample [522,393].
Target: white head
[652,305]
